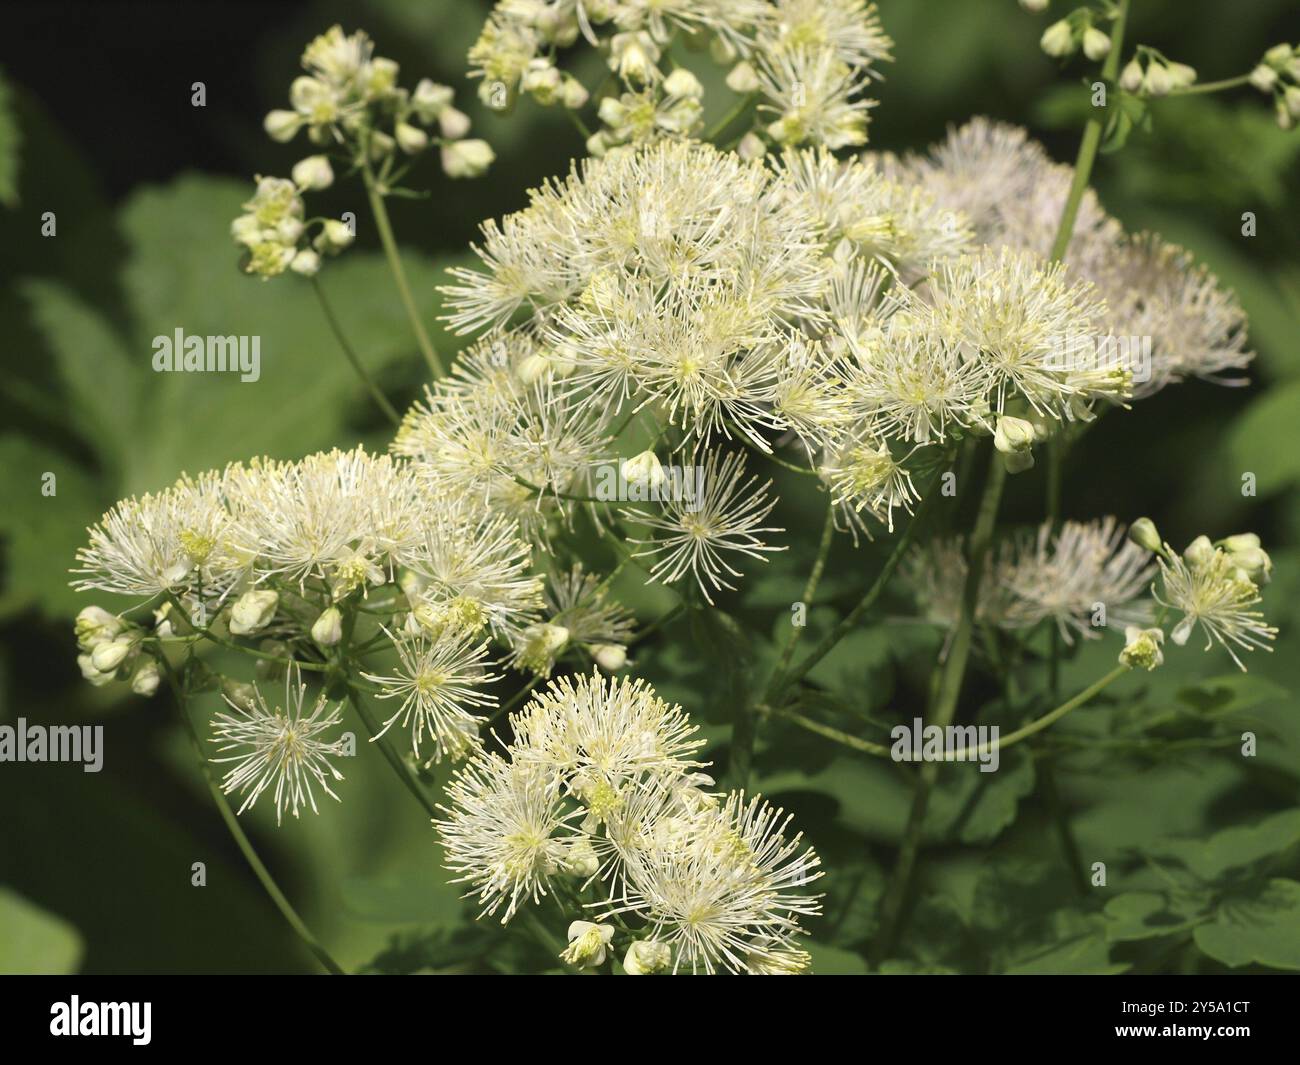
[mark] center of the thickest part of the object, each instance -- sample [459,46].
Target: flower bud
[742,78]
[587,944]
[90,673]
[94,625]
[1013,435]
[611,657]
[542,81]
[145,680]
[1291,97]
[314,172]
[1249,557]
[580,859]
[1143,532]
[107,656]
[411,139]
[681,82]
[1142,648]
[327,630]
[466,159]
[252,612]
[1096,45]
[430,99]
[645,469]
[751,147]
[1131,78]
[645,957]
[1263,78]
[1157,81]
[1283,114]
[573,94]
[1200,552]
[381,145]
[1058,39]
[1278,56]
[1181,75]
[334,236]
[1034,7]
[282,125]
[306,262]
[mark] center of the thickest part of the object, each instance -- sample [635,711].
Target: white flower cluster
[809,61]
[1278,75]
[1153,292]
[1085,577]
[600,803]
[348,103]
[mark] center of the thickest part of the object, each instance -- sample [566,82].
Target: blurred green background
[97,126]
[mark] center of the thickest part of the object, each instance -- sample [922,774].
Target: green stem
[879,750]
[245,845]
[1090,143]
[780,685]
[404,771]
[809,591]
[944,708]
[377,208]
[380,399]
[1213,86]
[734,113]
[505,708]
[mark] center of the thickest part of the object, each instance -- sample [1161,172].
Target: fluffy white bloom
[438,682]
[696,534]
[725,896]
[1210,590]
[278,747]
[506,831]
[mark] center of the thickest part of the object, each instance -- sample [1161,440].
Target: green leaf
[34,942]
[1253,442]
[93,365]
[1086,955]
[1262,927]
[42,533]
[1236,847]
[1139,915]
[833,961]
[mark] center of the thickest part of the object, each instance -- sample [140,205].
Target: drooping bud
[1034,7]
[314,172]
[107,656]
[282,125]
[645,469]
[306,263]
[411,139]
[145,679]
[1130,80]
[1058,39]
[327,629]
[1263,78]
[430,99]
[95,625]
[1096,45]
[253,611]
[580,859]
[742,78]
[611,657]
[1143,532]
[334,236]
[1181,76]
[1157,81]
[467,159]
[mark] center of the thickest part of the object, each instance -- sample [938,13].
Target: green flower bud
[107,656]
[742,78]
[1130,80]
[1013,435]
[411,139]
[1143,532]
[1263,78]
[282,125]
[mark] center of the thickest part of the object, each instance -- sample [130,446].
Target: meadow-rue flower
[252,612]
[280,748]
[588,944]
[645,957]
[1142,648]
